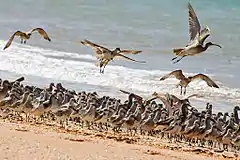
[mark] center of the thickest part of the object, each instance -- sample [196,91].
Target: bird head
[29,34]
[212,44]
[190,77]
[118,49]
[237,108]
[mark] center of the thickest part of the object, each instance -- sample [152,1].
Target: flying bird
[24,36]
[197,37]
[184,81]
[104,55]
[172,102]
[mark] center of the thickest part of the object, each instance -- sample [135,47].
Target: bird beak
[217,45]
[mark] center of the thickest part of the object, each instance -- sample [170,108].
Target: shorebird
[28,106]
[171,102]
[4,89]
[7,101]
[24,36]
[197,38]
[184,81]
[104,55]
[138,98]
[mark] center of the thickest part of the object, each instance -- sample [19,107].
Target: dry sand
[27,141]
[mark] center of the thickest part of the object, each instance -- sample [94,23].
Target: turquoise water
[155,27]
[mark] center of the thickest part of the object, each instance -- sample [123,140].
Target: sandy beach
[22,141]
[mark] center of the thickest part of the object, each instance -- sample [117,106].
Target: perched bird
[105,55]
[197,38]
[138,98]
[24,36]
[184,81]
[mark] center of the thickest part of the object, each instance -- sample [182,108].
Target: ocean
[155,27]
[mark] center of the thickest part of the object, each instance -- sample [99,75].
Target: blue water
[155,27]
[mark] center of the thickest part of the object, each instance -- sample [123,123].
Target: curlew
[197,38]
[184,81]
[104,55]
[24,36]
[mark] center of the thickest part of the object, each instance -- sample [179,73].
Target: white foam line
[32,61]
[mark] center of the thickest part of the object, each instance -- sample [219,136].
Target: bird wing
[99,49]
[194,25]
[20,79]
[151,99]
[177,73]
[203,35]
[158,94]
[139,98]
[194,95]
[206,79]
[42,32]
[17,33]
[126,92]
[125,57]
[130,51]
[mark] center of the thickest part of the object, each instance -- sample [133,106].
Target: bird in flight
[197,37]
[105,55]
[24,36]
[184,81]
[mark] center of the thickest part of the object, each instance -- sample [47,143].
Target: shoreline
[26,140]
[39,131]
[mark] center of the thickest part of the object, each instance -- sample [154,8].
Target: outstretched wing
[177,73]
[98,49]
[130,51]
[194,25]
[206,79]
[17,33]
[127,58]
[42,32]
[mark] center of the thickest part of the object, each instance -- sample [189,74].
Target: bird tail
[177,51]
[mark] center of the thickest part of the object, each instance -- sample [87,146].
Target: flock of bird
[174,117]
[105,55]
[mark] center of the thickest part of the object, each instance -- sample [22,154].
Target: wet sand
[23,141]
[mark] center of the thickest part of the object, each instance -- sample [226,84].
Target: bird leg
[102,70]
[21,41]
[24,41]
[174,58]
[104,65]
[181,91]
[178,59]
[185,90]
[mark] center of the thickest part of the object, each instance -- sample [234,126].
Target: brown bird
[24,36]
[172,102]
[105,55]
[197,38]
[184,81]
[139,99]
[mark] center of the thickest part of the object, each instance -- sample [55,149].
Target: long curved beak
[217,45]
